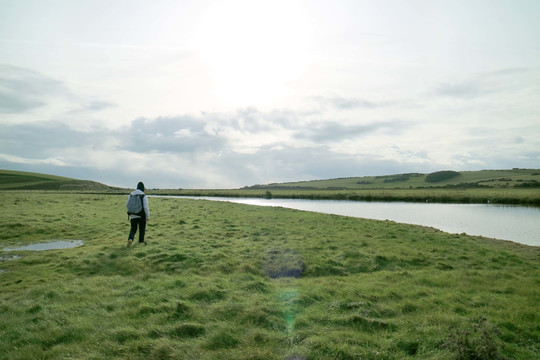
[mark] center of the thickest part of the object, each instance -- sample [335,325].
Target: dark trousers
[138,222]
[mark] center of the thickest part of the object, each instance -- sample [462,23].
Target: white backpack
[135,205]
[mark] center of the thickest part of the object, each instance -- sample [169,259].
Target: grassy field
[229,281]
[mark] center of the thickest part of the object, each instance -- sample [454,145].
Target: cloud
[208,150]
[332,131]
[509,71]
[13,103]
[463,90]
[92,106]
[343,103]
[487,83]
[180,134]
[23,90]
[249,146]
[29,161]
[42,139]
[29,96]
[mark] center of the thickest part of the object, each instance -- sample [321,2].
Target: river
[515,223]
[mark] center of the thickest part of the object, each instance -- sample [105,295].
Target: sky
[227,94]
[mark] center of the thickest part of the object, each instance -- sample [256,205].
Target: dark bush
[397,178]
[480,343]
[528,184]
[441,176]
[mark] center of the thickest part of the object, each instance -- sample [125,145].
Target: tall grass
[229,281]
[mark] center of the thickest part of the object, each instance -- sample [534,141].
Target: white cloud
[28,161]
[183,133]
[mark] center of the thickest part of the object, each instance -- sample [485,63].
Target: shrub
[478,344]
[528,184]
[441,176]
[397,178]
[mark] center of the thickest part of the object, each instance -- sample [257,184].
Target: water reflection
[61,244]
[8,257]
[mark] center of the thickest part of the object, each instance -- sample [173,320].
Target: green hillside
[20,180]
[526,178]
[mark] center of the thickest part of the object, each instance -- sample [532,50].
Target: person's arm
[146,208]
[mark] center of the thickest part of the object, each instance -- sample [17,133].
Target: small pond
[53,245]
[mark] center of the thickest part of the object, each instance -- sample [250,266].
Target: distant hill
[515,178]
[20,180]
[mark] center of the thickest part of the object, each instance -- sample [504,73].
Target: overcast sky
[224,94]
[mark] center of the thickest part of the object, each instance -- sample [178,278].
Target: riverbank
[506,222]
[513,196]
[227,281]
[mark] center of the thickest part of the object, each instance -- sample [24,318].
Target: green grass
[228,281]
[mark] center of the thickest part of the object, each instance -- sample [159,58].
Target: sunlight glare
[253,49]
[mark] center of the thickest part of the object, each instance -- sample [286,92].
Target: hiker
[138,217]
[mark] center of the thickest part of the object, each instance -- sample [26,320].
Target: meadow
[220,280]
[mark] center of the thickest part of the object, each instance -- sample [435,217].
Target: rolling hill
[515,178]
[19,180]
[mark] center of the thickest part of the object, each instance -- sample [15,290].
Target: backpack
[135,205]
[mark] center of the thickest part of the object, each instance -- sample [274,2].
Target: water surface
[53,245]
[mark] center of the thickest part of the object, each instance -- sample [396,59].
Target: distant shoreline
[524,197]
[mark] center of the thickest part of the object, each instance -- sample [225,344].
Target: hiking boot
[143,242]
[129,242]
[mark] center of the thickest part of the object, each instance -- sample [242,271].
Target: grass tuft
[477,342]
[365,324]
[187,331]
[207,295]
[222,340]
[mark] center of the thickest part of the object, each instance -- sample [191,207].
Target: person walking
[139,219]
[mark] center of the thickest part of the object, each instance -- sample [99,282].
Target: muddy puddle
[7,258]
[52,245]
